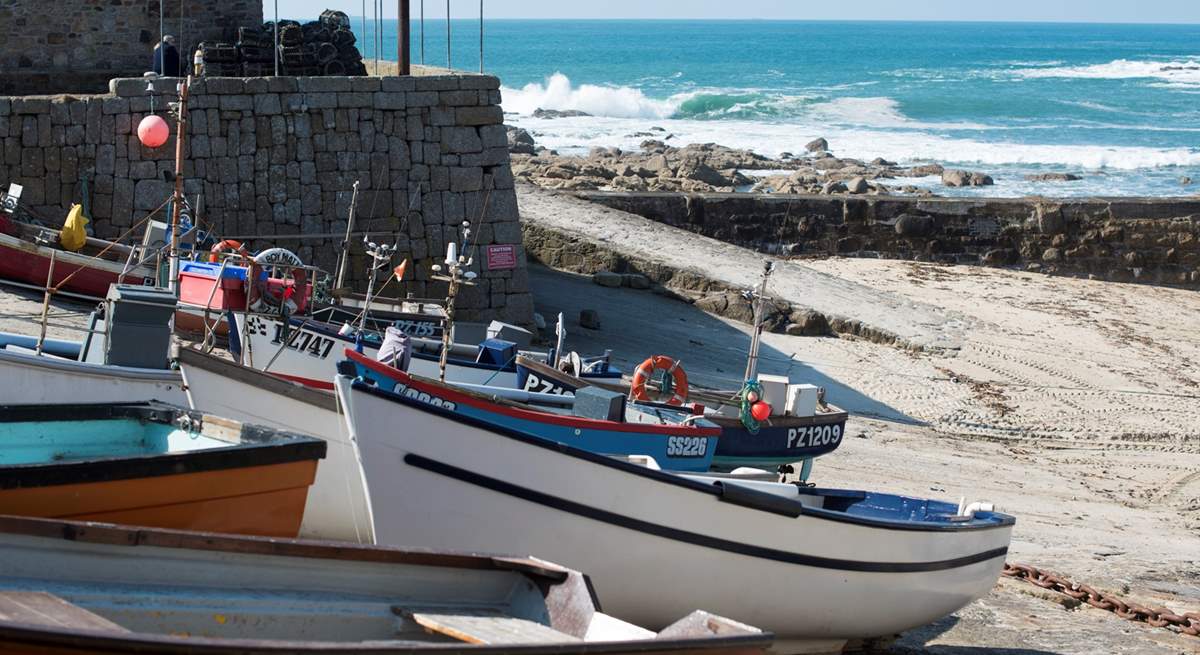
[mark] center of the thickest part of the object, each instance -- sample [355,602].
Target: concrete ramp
[572,234]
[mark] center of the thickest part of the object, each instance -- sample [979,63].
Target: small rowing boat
[337,507]
[155,465]
[74,588]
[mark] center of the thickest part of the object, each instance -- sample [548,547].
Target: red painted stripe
[308,382]
[449,393]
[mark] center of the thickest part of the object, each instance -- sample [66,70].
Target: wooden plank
[487,627]
[700,624]
[40,608]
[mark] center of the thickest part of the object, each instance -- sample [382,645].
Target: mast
[457,276]
[177,199]
[344,259]
[759,298]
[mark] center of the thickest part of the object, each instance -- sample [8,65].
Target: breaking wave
[1184,72]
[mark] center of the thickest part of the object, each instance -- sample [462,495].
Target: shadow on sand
[637,324]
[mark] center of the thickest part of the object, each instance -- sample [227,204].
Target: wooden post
[404,56]
[46,304]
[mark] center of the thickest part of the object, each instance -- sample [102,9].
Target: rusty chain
[1188,623]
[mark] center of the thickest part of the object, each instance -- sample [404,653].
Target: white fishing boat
[338,506]
[120,361]
[816,566]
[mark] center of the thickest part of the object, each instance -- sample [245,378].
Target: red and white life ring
[214,255]
[679,383]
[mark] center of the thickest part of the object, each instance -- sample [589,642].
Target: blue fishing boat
[676,439]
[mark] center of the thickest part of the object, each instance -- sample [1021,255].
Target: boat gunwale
[501,406]
[259,446]
[274,384]
[83,640]
[1000,520]
[90,368]
[836,415]
[120,535]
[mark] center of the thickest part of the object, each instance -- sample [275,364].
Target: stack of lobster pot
[256,49]
[221,59]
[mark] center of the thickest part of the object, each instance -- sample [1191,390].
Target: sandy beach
[1070,403]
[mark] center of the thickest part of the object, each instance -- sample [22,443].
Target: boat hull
[181,592]
[50,380]
[653,543]
[781,441]
[309,353]
[337,507]
[256,500]
[673,447]
[28,262]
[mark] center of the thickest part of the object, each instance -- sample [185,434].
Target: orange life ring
[214,255]
[679,386]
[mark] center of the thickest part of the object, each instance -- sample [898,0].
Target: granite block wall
[1144,240]
[64,46]
[275,158]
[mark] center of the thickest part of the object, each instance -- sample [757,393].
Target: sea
[1117,104]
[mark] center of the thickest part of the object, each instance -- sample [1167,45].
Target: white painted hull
[424,473]
[338,507]
[312,357]
[30,379]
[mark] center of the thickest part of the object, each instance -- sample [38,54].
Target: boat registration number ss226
[687,446]
[814,435]
[306,342]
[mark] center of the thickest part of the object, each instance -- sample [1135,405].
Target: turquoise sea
[1119,104]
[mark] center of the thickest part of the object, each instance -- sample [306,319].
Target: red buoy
[153,131]
[760,411]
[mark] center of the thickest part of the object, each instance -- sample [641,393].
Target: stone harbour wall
[279,157]
[1145,240]
[78,45]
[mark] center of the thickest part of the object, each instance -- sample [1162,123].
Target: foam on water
[1183,72]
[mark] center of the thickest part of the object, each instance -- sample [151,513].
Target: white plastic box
[802,400]
[774,391]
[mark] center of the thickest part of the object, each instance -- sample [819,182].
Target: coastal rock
[520,142]
[1185,181]
[607,279]
[701,172]
[808,323]
[659,165]
[636,281]
[857,185]
[925,170]
[589,319]
[834,186]
[558,113]
[1053,177]
[957,178]
[817,145]
[653,146]
[913,225]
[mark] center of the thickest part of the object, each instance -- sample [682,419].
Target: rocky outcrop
[817,145]
[558,113]
[955,178]
[1053,177]
[520,142]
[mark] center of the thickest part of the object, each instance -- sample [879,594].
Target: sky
[1091,11]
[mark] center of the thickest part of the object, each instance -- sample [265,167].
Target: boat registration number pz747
[814,435]
[305,342]
[687,446]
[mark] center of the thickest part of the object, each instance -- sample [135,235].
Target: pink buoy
[153,131]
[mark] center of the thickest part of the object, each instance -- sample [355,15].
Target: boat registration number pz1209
[814,435]
[687,446]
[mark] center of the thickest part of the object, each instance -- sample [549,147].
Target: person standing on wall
[166,58]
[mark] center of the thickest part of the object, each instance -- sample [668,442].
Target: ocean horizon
[1118,104]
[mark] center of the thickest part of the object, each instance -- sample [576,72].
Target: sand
[1072,404]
